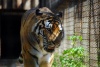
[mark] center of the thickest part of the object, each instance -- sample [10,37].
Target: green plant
[73,57]
[75,39]
[56,62]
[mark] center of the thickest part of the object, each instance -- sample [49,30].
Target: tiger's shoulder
[27,15]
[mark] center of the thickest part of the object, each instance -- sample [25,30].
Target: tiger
[41,33]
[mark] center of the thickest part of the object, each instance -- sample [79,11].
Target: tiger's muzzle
[52,41]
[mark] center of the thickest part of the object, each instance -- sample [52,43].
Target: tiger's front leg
[47,60]
[29,60]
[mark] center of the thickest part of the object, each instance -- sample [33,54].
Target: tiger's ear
[38,13]
[59,14]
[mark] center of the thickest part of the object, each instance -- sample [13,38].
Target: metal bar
[95,29]
[99,35]
[89,24]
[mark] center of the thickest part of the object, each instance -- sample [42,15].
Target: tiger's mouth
[50,47]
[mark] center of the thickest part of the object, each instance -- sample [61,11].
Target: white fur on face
[47,24]
[60,27]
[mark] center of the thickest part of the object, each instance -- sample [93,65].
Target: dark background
[10,33]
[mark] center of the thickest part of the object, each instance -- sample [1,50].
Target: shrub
[73,57]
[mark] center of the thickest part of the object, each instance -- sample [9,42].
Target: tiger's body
[39,37]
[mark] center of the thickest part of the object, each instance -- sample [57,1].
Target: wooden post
[19,4]
[34,3]
[4,4]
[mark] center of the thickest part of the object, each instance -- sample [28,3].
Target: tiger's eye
[50,21]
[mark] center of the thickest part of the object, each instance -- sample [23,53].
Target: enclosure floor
[10,63]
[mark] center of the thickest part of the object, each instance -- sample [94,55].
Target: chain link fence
[83,18]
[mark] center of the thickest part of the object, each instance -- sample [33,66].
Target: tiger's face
[52,31]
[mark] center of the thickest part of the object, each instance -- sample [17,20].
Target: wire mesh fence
[83,19]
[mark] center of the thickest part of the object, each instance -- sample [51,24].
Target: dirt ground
[10,63]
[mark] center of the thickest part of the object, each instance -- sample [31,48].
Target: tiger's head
[50,28]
